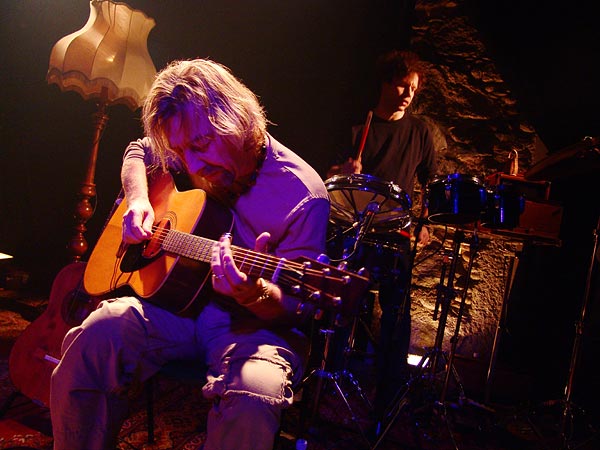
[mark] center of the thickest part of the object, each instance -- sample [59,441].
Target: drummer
[395,146]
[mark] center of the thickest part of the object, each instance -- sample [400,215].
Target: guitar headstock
[325,286]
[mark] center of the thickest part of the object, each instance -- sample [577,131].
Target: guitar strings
[202,251]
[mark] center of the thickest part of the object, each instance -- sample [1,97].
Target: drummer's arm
[421,231]
[352,166]
[348,167]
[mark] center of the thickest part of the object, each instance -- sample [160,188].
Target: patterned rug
[180,414]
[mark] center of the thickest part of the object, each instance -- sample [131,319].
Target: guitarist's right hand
[137,221]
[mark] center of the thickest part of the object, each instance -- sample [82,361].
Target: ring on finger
[218,277]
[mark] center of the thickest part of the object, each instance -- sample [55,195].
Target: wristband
[264,294]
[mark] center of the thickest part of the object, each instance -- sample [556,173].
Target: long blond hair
[202,87]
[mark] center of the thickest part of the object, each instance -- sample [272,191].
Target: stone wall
[477,126]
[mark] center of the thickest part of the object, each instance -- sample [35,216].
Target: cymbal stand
[427,368]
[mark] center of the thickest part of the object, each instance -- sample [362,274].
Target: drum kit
[367,211]
[366,204]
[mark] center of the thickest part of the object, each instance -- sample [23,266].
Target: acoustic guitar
[37,350]
[172,268]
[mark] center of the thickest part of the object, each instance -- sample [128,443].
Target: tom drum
[456,199]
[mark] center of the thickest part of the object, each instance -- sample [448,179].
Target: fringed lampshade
[108,54]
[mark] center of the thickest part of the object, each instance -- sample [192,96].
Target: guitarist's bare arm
[139,216]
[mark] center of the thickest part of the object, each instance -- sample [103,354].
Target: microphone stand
[400,400]
[567,419]
[567,402]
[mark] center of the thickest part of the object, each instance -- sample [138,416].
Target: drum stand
[427,368]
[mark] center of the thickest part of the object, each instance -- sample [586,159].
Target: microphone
[366,220]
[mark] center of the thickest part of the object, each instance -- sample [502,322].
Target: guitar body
[163,278]
[37,350]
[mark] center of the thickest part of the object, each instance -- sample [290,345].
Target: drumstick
[363,138]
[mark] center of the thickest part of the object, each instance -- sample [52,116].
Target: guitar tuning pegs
[362,271]
[343,265]
[319,314]
[323,258]
[300,308]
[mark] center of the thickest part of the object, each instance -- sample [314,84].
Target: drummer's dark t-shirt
[396,151]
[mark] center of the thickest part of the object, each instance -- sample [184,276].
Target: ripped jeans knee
[258,372]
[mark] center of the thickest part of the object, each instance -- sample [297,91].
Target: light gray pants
[125,341]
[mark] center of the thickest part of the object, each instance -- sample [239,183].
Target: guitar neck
[198,248]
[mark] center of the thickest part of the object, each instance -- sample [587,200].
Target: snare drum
[351,195]
[456,199]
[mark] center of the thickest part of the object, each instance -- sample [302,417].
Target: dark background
[310,62]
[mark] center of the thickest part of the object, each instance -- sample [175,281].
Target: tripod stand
[429,365]
[321,375]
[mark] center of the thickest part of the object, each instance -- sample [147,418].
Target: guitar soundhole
[153,246]
[76,306]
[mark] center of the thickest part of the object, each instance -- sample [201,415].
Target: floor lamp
[106,61]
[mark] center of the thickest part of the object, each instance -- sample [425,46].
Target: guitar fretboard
[199,248]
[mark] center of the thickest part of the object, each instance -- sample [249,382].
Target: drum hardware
[314,383]
[462,399]
[387,210]
[429,367]
[350,348]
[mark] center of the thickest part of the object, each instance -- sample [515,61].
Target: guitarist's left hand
[228,280]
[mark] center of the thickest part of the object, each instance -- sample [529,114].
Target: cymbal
[578,159]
